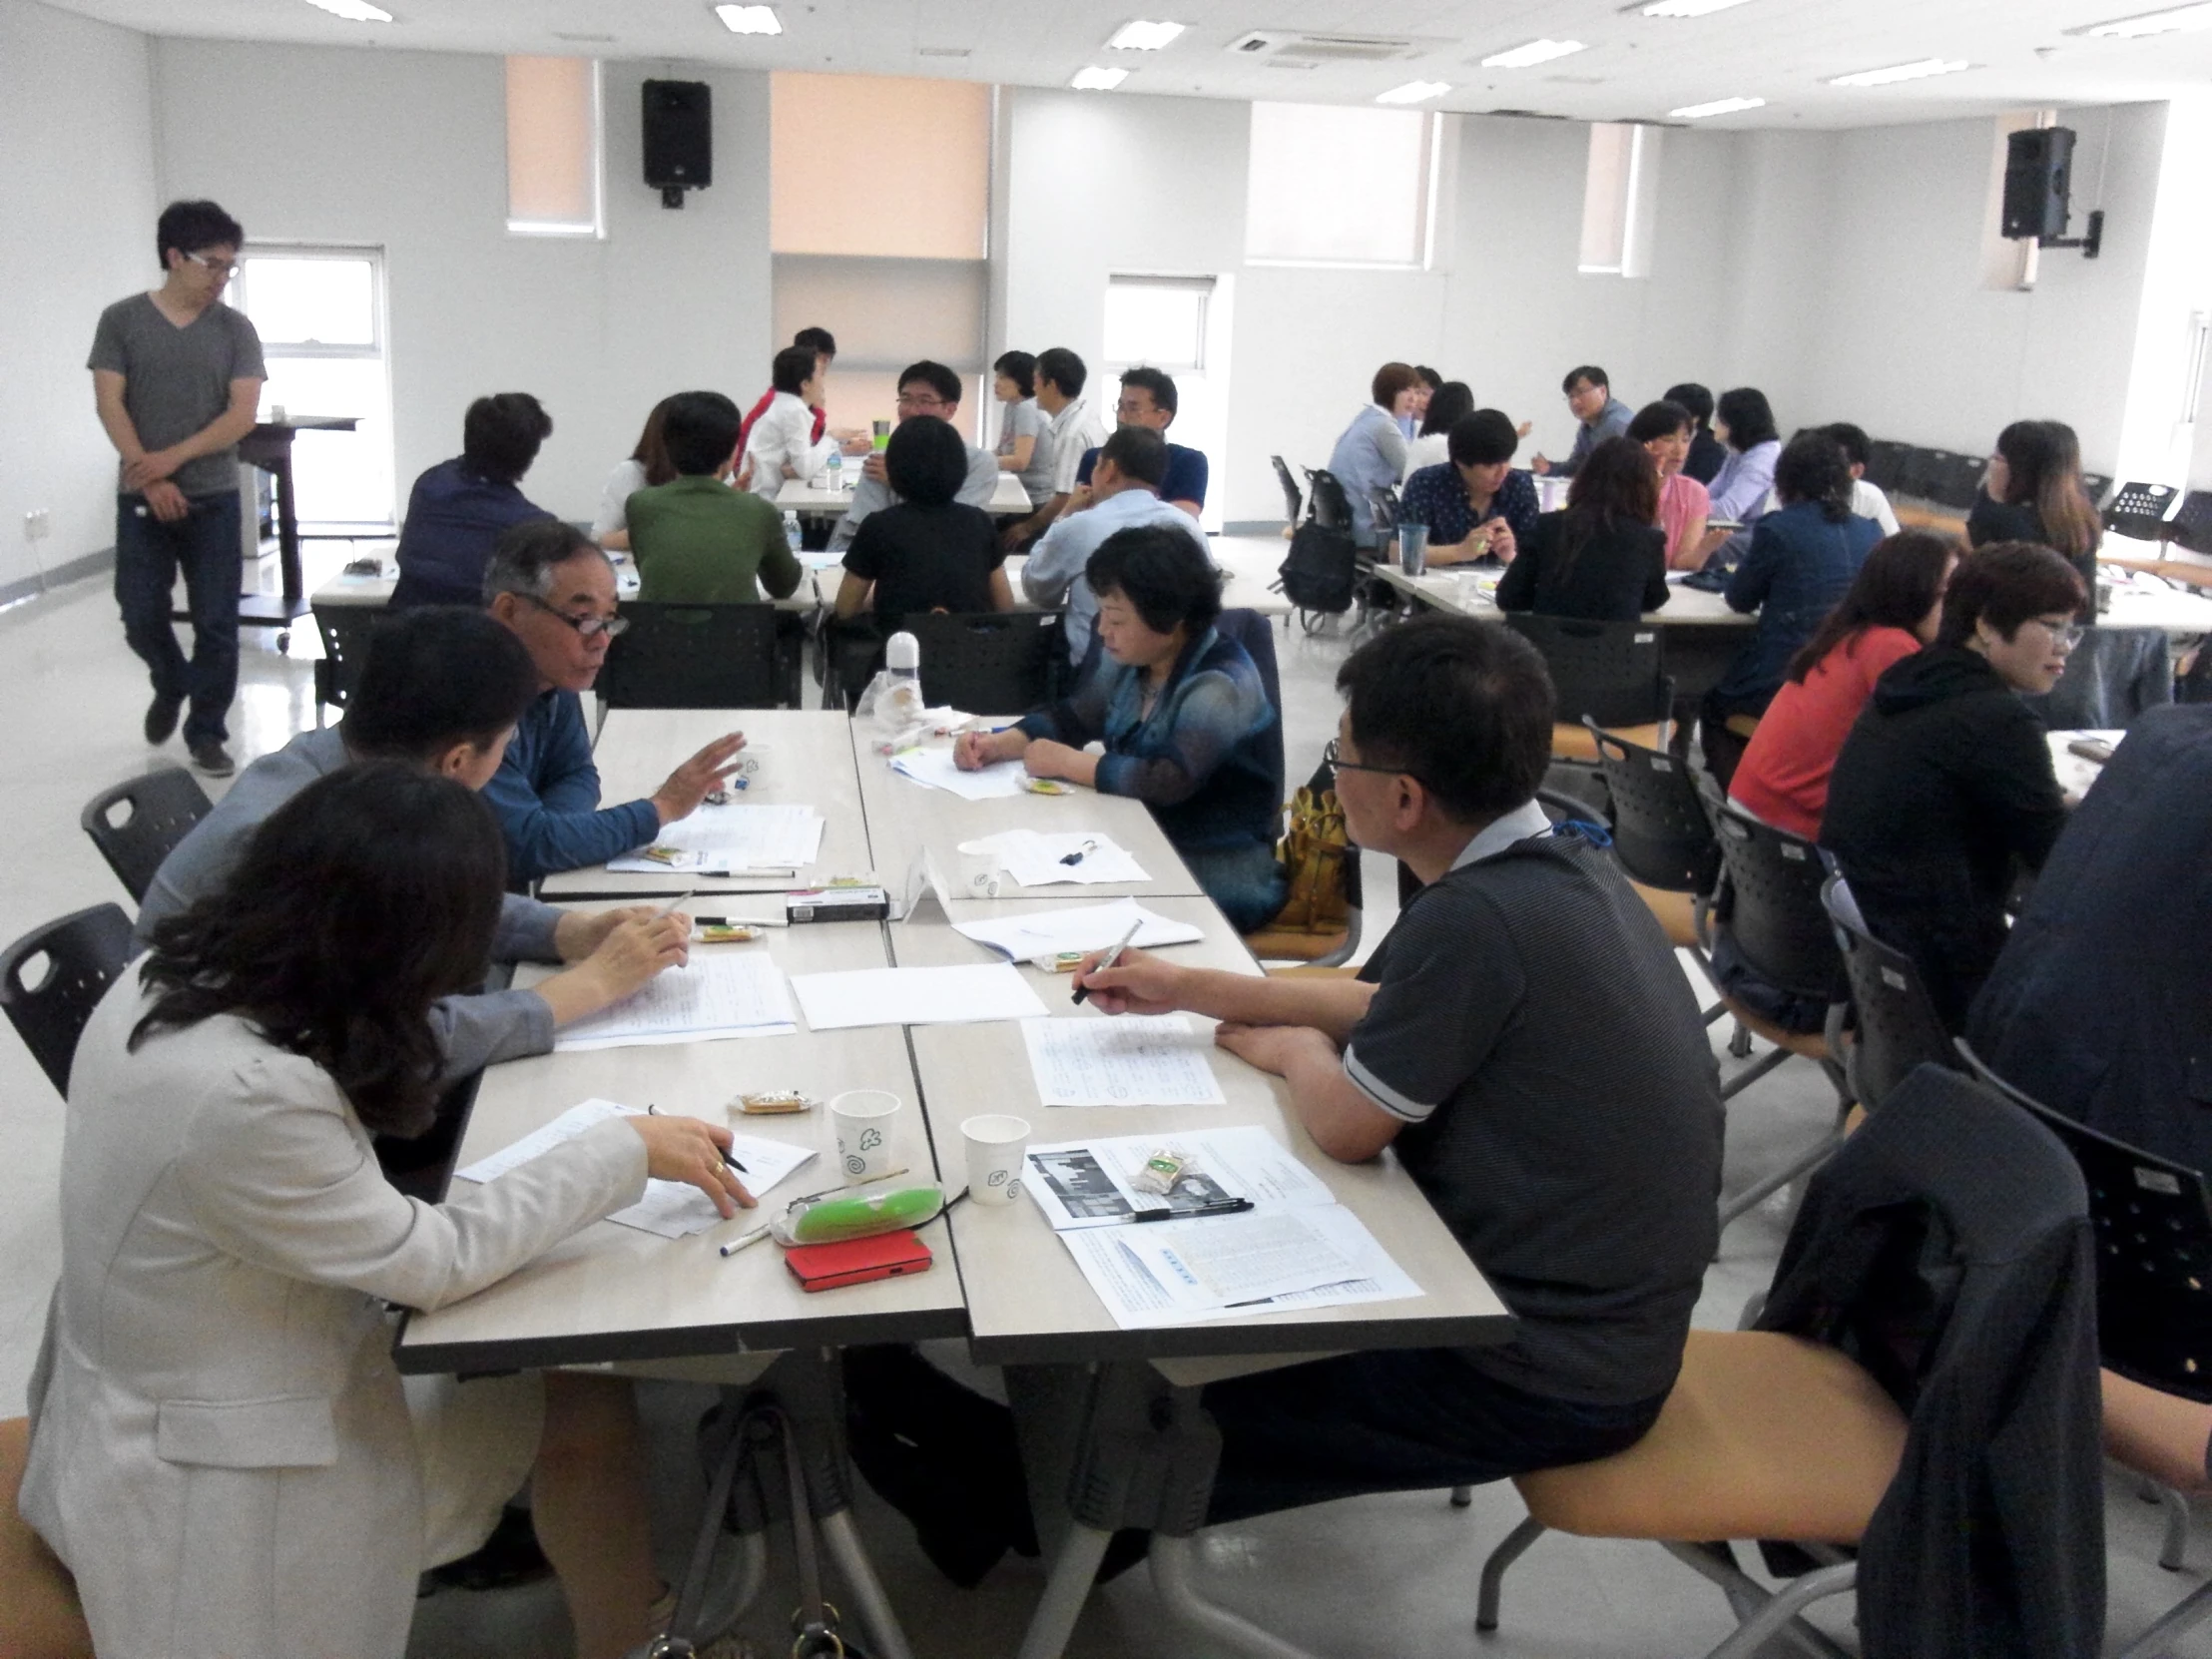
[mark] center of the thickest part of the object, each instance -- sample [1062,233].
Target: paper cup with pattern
[995,1144]
[867,1122]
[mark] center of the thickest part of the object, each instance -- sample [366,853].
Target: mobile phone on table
[2090,748]
[857,1261]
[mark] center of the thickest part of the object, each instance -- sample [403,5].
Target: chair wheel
[284,640]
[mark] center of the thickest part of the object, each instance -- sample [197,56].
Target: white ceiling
[1635,68]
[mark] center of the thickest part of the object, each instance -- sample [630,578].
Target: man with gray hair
[551,585]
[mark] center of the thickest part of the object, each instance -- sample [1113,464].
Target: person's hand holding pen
[1137,984]
[696,1153]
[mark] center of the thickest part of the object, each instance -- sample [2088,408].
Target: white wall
[76,173]
[407,150]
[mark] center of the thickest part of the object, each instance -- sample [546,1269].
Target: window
[1333,186]
[321,314]
[1619,199]
[1159,321]
[553,148]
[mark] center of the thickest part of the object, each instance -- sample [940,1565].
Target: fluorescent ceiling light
[2170,21]
[1688,8]
[353,11]
[1414,91]
[1141,36]
[1535,52]
[1091,78]
[1719,106]
[1901,72]
[750,20]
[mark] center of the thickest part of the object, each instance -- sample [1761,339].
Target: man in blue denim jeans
[177,376]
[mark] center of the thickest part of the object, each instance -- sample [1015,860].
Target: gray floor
[1374,1577]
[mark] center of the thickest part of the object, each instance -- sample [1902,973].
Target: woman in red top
[1890,612]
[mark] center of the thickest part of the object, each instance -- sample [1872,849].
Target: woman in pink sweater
[1889,612]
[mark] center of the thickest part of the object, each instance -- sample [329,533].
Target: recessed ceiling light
[1687,8]
[1918,71]
[1414,91]
[1140,35]
[1719,106]
[1535,52]
[2169,21]
[750,20]
[353,11]
[1091,78]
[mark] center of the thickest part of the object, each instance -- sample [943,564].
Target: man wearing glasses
[1148,398]
[176,377]
[925,388]
[551,585]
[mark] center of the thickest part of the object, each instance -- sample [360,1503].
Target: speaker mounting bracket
[2089,245]
[672,196]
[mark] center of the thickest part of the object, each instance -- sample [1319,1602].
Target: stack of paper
[714,995]
[1295,1247]
[1038,860]
[1133,1060]
[916,996]
[727,840]
[935,767]
[672,1208]
[1079,927]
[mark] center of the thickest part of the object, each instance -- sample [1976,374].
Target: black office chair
[2191,524]
[1329,505]
[2095,485]
[692,657]
[345,631]
[79,957]
[989,662]
[1916,471]
[1293,504]
[1770,911]
[157,812]
[1662,839]
[1613,673]
[1891,1024]
[1886,463]
[2139,510]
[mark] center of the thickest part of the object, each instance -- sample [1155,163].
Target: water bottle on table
[790,529]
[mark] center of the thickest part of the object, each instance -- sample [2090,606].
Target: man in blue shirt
[1124,493]
[553,587]
[1148,400]
[1601,414]
[458,509]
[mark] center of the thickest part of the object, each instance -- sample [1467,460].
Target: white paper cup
[979,875]
[867,1122]
[995,1144]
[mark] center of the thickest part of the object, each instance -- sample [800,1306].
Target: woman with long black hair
[2033,492]
[1604,556]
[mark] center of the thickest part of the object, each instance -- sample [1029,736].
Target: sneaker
[161,717]
[213,758]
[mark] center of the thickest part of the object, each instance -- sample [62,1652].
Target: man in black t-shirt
[1526,1043]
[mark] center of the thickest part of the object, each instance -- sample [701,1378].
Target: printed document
[717,995]
[935,767]
[1130,1060]
[1082,1183]
[1228,1266]
[1041,860]
[916,996]
[732,840]
[1078,927]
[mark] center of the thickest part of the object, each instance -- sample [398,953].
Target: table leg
[1073,1570]
[288,527]
[1171,1576]
[870,1604]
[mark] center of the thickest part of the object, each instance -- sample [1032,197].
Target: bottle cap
[903,651]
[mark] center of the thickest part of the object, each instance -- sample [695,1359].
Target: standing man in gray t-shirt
[177,376]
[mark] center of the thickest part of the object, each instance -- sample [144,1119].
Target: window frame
[372,256]
[1203,286]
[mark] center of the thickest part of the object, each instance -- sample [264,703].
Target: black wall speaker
[679,137]
[2039,174]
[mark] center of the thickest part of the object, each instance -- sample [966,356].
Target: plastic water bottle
[899,702]
[790,529]
[837,472]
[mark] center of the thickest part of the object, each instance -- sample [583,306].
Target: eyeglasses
[215,267]
[923,403]
[590,627]
[2066,634]
[1329,759]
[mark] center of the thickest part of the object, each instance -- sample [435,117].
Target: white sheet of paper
[733,837]
[1078,927]
[916,996]
[935,767]
[677,1209]
[1219,1268]
[718,993]
[585,1115]
[1132,1060]
[1034,859]
[1083,1184]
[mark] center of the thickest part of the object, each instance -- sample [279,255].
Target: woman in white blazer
[782,443]
[221,1451]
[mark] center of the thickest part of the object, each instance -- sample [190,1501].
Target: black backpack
[1322,571]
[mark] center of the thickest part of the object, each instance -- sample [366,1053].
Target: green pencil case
[859,1213]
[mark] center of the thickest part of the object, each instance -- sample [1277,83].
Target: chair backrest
[987,662]
[1253,632]
[1611,671]
[345,631]
[1382,511]
[1884,463]
[76,959]
[1293,504]
[1898,1026]
[2192,522]
[138,822]
[1331,507]
[1916,471]
[2094,485]
[2140,510]
[1773,909]
[2153,1224]
[1953,480]
[1660,832]
[692,657]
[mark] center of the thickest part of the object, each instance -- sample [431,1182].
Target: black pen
[1082,993]
[1224,1207]
[653,1111]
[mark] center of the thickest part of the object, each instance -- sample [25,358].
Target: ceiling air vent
[1293,46]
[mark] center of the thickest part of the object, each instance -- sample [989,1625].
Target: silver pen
[742,1240]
